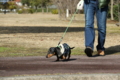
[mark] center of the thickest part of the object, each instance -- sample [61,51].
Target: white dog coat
[64,49]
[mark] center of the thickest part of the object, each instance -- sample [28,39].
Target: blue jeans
[90,9]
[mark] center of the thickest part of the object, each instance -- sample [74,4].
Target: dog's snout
[46,56]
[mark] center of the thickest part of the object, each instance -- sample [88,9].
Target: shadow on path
[72,59]
[39,29]
[112,50]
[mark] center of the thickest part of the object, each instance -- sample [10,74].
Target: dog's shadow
[66,60]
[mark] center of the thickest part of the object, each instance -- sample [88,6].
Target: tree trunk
[42,10]
[65,4]
[112,17]
[118,12]
[47,9]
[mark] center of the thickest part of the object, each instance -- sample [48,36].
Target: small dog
[62,52]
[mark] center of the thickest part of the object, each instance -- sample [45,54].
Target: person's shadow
[112,50]
[109,51]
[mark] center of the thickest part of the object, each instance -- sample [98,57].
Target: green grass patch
[21,51]
[112,30]
[77,51]
[3,49]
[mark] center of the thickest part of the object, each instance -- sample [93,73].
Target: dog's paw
[57,60]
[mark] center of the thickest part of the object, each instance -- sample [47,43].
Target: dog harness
[64,49]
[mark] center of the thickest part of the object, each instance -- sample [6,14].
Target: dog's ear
[52,49]
[57,50]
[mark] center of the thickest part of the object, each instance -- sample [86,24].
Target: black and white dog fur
[63,51]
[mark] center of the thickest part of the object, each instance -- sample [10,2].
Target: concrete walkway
[68,77]
[79,68]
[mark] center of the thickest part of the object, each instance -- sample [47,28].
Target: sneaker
[89,51]
[101,53]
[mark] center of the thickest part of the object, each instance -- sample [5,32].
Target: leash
[68,26]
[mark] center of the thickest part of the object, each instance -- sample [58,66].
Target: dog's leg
[63,57]
[57,58]
[69,55]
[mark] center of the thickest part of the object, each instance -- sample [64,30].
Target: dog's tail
[72,47]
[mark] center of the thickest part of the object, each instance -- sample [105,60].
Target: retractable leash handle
[80,5]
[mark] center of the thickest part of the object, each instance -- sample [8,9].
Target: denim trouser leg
[90,10]
[101,23]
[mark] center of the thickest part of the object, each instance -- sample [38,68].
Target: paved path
[10,66]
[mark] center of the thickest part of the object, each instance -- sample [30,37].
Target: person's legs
[101,15]
[89,25]
[89,10]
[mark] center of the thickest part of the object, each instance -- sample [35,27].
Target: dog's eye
[51,50]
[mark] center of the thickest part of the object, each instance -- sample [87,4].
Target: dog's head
[53,51]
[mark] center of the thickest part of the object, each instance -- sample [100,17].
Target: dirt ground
[45,30]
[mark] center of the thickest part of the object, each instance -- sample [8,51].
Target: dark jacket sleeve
[103,3]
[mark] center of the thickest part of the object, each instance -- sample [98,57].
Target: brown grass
[45,30]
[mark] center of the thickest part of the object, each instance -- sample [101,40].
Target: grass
[15,51]
[3,49]
[78,51]
[113,30]
[21,51]
[6,51]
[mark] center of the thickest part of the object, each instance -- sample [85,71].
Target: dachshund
[62,51]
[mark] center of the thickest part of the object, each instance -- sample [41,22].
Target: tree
[26,2]
[114,9]
[118,11]
[62,5]
[111,10]
[36,3]
[1,5]
[12,5]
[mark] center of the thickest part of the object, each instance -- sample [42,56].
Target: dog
[62,51]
